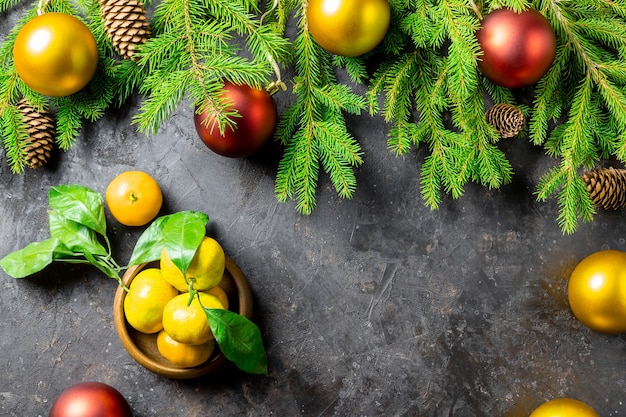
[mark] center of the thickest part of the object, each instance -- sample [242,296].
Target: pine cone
[606,187]
[506,118]
[40,127]
[127,25]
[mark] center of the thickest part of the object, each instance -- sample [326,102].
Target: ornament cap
[273,87]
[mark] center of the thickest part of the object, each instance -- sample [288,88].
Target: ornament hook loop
[270,10]
[274,86]
[41,7]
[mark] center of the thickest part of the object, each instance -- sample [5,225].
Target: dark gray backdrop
[370,306]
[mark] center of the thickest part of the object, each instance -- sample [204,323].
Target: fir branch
[440,167]
[337,147]
[430,182]
[419,25]
[337,97]
[164,52]
[9,81]
[574,202]
[167,91]
[498,94]
[280,16]
[550,97]
[128,78]
[98,96]
[8,4]
[314,132]
[461,28]
[193,52]
[485,163]
[288,124]
[261,41]
[587,64]
[68,122]
[15,134]
[398,80]
[355,67]
[437,82]
[236,69]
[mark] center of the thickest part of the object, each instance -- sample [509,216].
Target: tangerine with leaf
[185,321]
[205,271]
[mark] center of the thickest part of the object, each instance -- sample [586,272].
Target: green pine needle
[313,128]
[193,52]
[423,79]
[15,135]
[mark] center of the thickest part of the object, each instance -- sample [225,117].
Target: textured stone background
[370,306]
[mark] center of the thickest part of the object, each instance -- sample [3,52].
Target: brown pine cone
[40,127]
[606,187]
[127,25]
[506,118]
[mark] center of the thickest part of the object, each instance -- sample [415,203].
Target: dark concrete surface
[368,307]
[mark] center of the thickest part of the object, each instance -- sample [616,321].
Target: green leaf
[239,340]
[182,234]
[75,236]
[79,204]
[150,244]
[31,259]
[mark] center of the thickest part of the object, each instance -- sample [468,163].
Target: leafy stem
[79,236]
[192,293]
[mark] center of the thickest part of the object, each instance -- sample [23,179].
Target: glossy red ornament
[518,48]
[90,399]
[254,128]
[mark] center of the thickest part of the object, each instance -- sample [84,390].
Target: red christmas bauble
[518,48]
[253,129]
[90,399]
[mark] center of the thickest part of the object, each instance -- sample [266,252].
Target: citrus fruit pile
[165,302]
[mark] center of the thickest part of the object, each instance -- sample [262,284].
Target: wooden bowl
[142,347]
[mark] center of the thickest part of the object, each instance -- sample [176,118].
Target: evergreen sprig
[423,79]
[586,88]
[313,130]
[194,50]
[433,95]
[71,112]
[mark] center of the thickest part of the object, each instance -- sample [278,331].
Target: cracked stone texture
[370,306]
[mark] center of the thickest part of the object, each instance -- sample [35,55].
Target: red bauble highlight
[518,48]
[90,399]
[253,129]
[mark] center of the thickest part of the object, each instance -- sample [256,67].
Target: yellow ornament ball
[564,407]
[596,291]
[55,54]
